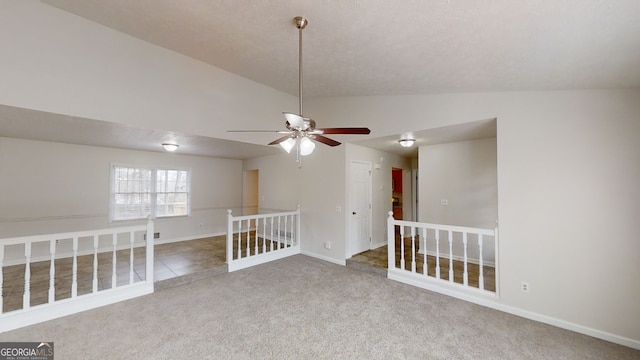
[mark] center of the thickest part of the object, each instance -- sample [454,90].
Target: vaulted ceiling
[373,47]
[382,47]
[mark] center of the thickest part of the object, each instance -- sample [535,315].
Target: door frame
[349,242]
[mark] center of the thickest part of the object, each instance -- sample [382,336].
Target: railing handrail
[453,228]
[286,246]
[414,277]
[263,216]
[52,308]
[70,235]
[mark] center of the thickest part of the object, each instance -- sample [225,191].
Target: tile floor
[175,260]
[171,260]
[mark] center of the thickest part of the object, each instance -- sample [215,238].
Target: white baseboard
[378,245]
[494,303]
[325,258]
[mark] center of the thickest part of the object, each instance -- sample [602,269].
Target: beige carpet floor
[304,308]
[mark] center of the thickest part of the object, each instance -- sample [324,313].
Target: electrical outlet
[327,244]
[524,286]
[444,202]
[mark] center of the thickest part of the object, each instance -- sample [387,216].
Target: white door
[360,207]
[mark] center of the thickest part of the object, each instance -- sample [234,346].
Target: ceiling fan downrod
[301,23]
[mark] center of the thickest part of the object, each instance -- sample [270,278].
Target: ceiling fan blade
[325,140]
[294,120]
[278,141]
[345,130]
[267,131]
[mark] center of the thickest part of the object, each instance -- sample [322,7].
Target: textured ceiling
[382,47]
[359,48]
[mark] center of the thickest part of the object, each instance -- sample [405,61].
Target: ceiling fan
[301,131]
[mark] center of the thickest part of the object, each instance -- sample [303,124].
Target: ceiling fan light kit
[288,144]
[302,132]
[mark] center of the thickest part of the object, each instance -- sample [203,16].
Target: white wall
[465,174]
[53,187]
[318,187]
[568,174]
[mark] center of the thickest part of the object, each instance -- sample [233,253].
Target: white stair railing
[46,248]
[464,248]
[260,238]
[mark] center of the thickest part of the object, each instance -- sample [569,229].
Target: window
[138,192]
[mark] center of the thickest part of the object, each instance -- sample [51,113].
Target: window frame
[153,193]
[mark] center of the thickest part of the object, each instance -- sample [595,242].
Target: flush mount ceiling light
[407,142]
[170,147]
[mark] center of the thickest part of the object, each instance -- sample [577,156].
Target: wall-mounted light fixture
[170,147]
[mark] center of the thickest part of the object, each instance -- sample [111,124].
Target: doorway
[250,192]
[396,193]
[359,207]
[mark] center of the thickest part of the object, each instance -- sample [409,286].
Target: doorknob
[353,213]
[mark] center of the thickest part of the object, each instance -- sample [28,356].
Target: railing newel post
[391,242]
[149,253]
[229,236]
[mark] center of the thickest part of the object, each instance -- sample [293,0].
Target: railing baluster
[131,238]
[286,218]
[465,274]
[256,236]
[26,298]
[74,275]
[437,253]
[264,235]
[402,248]
[279,232]
[248,237]
[239,239]
[114,277]
[425,265]
[450,256]
[413,249]
[271,236]
[481,267]
[52,270]
[95,263]
[297,233]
